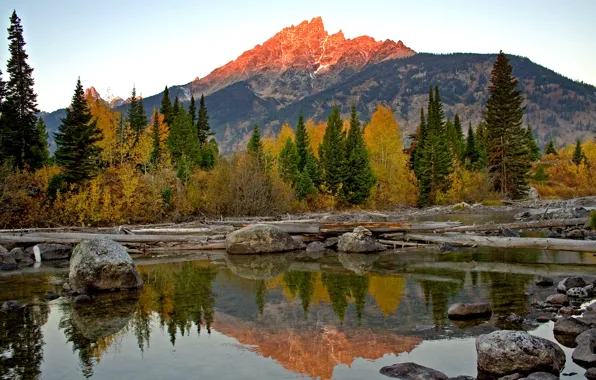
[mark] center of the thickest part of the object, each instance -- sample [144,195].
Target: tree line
[114,167]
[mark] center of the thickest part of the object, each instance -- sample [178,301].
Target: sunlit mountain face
[279,316]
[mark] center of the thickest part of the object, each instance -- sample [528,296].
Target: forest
[125,168]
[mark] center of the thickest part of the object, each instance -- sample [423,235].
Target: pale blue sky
[115,44]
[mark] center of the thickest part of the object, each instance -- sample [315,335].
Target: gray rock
[570,326]
[508,232]
[51,295]
[585,352]
[17,254]
[315,246]
[51,252]
[507,352]
[543,319]
[558,299]
[82,298]
[331,243]
[469,310]
[544,281]
[11,306]
[261,238]
[359,241]
[514,319]
[412,371]
[575,234]
[568,310]
[3,251]
[578,293]
[515,376]
[541,376]
[591,374]
[100,265]
[570,282]
[7,262]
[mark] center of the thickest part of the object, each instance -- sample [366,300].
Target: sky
[115,45]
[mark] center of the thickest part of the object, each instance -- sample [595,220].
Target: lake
[340,316]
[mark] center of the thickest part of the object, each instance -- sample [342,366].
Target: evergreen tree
[359,178]
[19,109]
[288,163]
[533,149]
[209,153]
[457,141]
[435,164]
[313,169]
[166,107]
[508,154]
[156,152]
[471,154]
[302,142]
[192,110]
[176,107]
[578,153]
[203,127]
[332,153]
[41,151]
[76,137]
[418,142]
[482,145]
[305,187]
[550,148]
[255,147]
[2,129]
[182,141]
[137,118]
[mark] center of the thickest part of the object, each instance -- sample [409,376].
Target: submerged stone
[469,310]
[412,371]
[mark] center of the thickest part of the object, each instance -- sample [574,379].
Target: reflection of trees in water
[437,295]
[260,289]
[301,284]
[182,294]
[507,292]
[343,286]
[21,342]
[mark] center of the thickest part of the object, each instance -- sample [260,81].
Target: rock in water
[585,352]
[261,238]
[570,282]
[544,281]
[591,374]
[469,310]
[507,352]
[578,293]
[100,264]
[541,376]
[51,295]
[315,246]
[359,241]
[570,326]
[412,371]
[558,299]
[50,252]
[12,305]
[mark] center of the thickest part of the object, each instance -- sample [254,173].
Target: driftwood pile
[211,235]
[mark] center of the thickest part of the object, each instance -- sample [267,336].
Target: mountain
[305,68]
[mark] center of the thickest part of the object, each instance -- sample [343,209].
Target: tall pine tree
[175,108]
[2,129]
[192,110]
[418,142]
[137,118]
[182,141]
[41,151]
[288,163]
[533,149]
[77,153]
[332,153]
[550,148]
[471,155]
[203,127]
[166,106]
[19,110]
[156,152]
[359,178]
[508,153]
[578,153]
[302,142]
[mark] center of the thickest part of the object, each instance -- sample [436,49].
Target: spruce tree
[578,153]
[209,153]
[418,142]
[137,118]
[550,148]
[533,149]
[156,152]
[176,107]
[203,127]
[359,178]
[305,187]
[332,153]
[182,141]
[507,143]
[77,153]
[458,142]
[19,109]
[40,152]
[471,154]
[192,110]
[166,106]
[435,164]
[255,146]
[482,145]
[2,129]
[302,142]
[288,163]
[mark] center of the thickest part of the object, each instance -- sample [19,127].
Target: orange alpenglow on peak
[91,91]
[308,48]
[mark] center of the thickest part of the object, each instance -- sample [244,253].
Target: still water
[213,316]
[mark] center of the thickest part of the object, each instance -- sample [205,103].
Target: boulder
[558,299]
[315,246]
[469,310]
[575,234]
[261,238]
[541,376]
[585,352]
[49,252]
[82,298]
[514,319]
[331,243]
[515,376]
[591,374]
[11,306]
[359,241]
[578,293]
[570,282]
[507,352]
[17,254]
[543,319]
[100,265]
[570,326]
[51,295]
[7,262]
[412,371]
[544,281]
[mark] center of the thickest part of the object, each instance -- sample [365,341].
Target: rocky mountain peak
[91,91]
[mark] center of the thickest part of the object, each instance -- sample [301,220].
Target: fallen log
[506,242]
[74,237]
[401,243]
